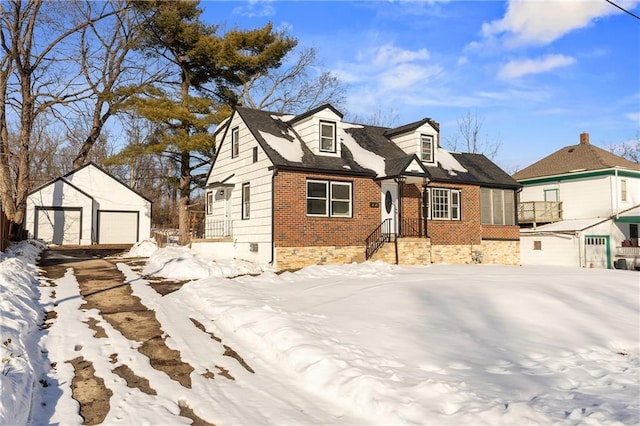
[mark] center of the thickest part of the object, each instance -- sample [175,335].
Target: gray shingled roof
[480,170]
[574,158]
[411,127]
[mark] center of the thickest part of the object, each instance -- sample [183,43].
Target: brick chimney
[584,138]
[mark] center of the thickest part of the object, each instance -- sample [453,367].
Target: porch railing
[378,237]
[412,228]
[539,211]
[203,228]
[628,251]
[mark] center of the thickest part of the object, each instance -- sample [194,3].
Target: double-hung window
[329,198]
[623,190]
[497,207]
[443,204]
[426,148]
[246,201]
[327,136]
[235,142]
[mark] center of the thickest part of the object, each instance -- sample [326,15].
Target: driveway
[103,288]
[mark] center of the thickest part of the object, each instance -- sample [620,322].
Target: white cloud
[388,67]
[634,116]
[541,22]
[391,55]
[519,68]
[407,76]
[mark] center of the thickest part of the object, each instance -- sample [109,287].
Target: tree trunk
[185,195]
[96,129]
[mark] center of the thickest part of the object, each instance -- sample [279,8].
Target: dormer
[320,129]
[420,138]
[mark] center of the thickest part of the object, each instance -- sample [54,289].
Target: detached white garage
[88,206]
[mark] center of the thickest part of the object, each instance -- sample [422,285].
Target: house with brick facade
[580,206]
[298,190]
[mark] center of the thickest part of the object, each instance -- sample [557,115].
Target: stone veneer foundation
[411,251]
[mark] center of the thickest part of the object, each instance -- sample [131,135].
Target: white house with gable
[87,206]
[580,206]
[296,190]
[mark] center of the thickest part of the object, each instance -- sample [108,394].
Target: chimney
[584,138]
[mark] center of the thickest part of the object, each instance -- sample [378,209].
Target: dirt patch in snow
[90,392]
[102,287]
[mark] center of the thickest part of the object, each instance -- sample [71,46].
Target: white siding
[256,229]
[95,191]
[560,250]
[410,142]
[109,194]
[568,249]
[309,131]
[596,196]
[61,194]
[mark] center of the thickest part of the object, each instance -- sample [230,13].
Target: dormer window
[327,136]
[426,148]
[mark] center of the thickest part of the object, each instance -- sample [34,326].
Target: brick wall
[500,232]
[302,241]
[293,228]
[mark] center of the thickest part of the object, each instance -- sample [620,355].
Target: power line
[623,9]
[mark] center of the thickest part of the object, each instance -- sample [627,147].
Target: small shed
[87,206]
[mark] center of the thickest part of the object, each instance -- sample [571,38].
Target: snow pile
[144,248]
[20,317]
[466,344]
[180,263]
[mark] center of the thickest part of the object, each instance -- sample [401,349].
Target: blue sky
[538,72]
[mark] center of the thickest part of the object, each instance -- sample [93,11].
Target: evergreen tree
[207,67]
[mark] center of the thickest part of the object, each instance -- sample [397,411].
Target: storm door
[389,207]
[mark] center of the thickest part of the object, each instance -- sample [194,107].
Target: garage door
[117,227]
[58,225]
[597,251]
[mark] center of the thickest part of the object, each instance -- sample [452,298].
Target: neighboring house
[87,206]
[580,206]
[314,189]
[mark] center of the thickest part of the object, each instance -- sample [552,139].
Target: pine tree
[205,68]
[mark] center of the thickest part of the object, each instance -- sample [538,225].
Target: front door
[227,212]
[389,206]
[597,253]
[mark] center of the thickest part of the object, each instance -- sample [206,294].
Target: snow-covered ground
[353,344]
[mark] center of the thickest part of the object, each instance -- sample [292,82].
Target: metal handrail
[382,234]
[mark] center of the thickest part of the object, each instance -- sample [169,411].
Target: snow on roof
[449,163]
[571,225]
[284,117]
[289,150]
[632,212]
[363,157]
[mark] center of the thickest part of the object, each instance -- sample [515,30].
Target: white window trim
[209,201]
[335,137]
[246,202]
[450,204]
[329,184]
[552,191]
[623,190]
[431,139]
[235,142]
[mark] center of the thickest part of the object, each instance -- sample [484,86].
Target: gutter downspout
[615,193]
[273,214]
